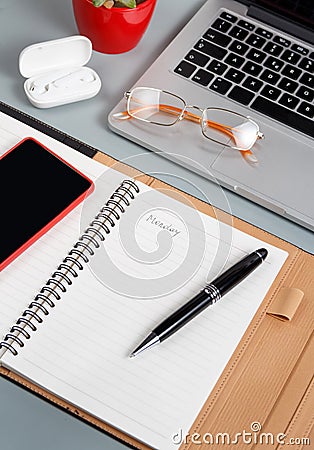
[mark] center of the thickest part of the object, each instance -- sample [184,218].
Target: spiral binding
[70,267]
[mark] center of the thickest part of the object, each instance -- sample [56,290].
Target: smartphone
[37,189]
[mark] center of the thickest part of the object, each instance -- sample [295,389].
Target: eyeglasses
[222,126]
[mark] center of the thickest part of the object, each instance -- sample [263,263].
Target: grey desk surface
[26,421]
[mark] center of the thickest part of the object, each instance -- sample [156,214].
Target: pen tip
[151,340]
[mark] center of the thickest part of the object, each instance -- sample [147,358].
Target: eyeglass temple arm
[247,154]
[217,126]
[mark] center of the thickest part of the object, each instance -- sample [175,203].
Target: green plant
[111,3]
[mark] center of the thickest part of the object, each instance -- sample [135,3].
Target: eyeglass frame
[128,95]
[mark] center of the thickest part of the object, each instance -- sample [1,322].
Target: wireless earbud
[68,81]
[74,79]
[41,84]
[38,89]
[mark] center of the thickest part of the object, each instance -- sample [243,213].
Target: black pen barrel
[183,315]
[233,276]
[213,292]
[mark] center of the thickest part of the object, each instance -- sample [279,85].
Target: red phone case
[59,217]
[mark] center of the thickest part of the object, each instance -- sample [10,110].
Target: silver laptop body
[198,67]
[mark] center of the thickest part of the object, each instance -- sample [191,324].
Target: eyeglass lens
[153,105]
[229,128]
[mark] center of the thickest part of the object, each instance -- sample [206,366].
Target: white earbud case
[56,72]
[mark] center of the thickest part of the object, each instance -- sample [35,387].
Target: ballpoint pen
[207,297]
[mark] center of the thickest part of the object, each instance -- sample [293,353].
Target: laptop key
[291,72]
[288,85]
[306,109]
[220,85]
[247,25]
[282,41]
[289,101]
[217,67]
[197,58]
[221,25]
[239,47]
[234,75]
[252,83]
[306,64]
[300,49]
[210,49]
[185,69]
[228,16]
[270,92]
[273,63]
[270,77]
[238,33]
[217,37]
[256,41]
[203,77]
[234,60]
[305,93]
[256,55]
[284,115]
[273,49]
[290,56]
[251,68]
[307,79]
[264,33]
[241,95]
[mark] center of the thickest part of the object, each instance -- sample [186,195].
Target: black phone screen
[37,188]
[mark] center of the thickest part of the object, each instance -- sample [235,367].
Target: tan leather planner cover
[265,395]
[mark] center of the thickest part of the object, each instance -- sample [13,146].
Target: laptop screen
[300,11]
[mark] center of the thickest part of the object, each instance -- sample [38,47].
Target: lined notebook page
[20,281]
[159,256]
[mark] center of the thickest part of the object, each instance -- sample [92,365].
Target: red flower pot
[114,30]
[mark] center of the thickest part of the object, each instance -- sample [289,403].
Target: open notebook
[158,254]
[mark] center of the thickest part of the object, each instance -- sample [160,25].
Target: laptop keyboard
[255,67]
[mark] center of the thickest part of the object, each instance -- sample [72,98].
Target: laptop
[255,58]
